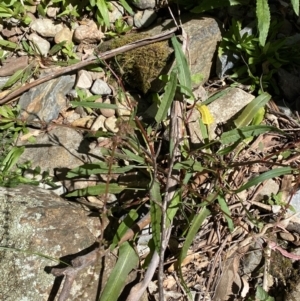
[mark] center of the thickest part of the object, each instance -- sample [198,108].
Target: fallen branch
[90,61]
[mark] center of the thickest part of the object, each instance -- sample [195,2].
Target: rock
[52,11]
[99,124]
[7,33]
[144,18]
[144,4]
[58,151]
[44,102]
[36,223]
[39,43]
[111,124]
[222,109]
[204,34]
[84,80]
[107,112]
[46,27]
[88,33]
[123,107]
[64,34]
[270,187]
[3,81]
[100,87]
[11,65]
[116,13]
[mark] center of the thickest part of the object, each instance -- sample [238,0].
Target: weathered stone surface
[144,18]
[36,222]
[100,87]
[40,43]
[45,27]
[88,33]
[11,65]
[222,109]
[64,34]
[143,4]
[57,151]
[204,34]
[44,102]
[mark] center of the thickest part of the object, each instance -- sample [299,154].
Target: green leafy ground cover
[210,177]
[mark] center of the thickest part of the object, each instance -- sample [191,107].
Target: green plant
[257,64]
[262,10]
[15,9]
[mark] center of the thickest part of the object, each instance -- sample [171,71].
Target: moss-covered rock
[141,66]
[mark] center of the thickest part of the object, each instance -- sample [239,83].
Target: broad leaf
[102,6]
[295,4]
[93,105]
[263,20]
[127,260]
[12,158]
[184,75]
[251,109]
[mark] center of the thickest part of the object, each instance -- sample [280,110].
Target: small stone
[144,18]
[107,112]
[100,87]
[42,44]
[84,80]
[111,124]
[11,32]
[45,27]
[88,33]
[64,35]
[99,124]
[144,4]
[52,12]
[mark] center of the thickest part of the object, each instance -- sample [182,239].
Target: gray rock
[100,87]
[3,80]
[44,102]
[46,27]
[144,4]
[42,45]
[84,80]
[204,34]
[144,18]
[57,151]
[36,223]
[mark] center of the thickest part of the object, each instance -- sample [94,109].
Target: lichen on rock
[141,66]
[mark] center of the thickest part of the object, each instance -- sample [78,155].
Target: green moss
[140,66]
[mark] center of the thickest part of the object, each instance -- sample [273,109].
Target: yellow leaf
[207,118]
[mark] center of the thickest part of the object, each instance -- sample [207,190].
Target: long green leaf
[124,226]
[155,211]
[12,158]
[263,17]
[251,109]
[184,74]
[246,132]
[167,98]
[295,4]
[225,209]
[173,207]
[93,105]
[127,260]
[195,226]
[102,6]
[8,44]
[99,189]
[127,7]
[96,168]
[277,172]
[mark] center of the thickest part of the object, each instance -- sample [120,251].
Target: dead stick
[90,61]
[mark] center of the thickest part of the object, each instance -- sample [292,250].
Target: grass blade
[97,190]
[277,172]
